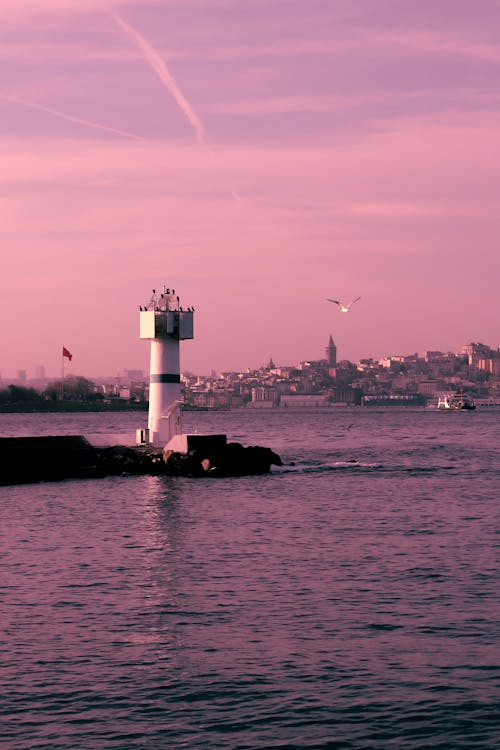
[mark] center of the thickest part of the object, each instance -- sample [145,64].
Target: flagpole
[65,353]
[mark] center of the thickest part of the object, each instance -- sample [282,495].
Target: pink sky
[259,157]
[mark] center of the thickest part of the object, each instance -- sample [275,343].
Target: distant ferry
[456,402]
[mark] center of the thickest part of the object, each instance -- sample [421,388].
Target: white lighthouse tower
[165,323]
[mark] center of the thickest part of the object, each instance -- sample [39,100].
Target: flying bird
[343,308]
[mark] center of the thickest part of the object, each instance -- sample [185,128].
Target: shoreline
[69,407]
[76,407]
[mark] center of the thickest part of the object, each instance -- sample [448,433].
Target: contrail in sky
[70,118]
[158,65]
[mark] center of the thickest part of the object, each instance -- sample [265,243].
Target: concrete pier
[34,459]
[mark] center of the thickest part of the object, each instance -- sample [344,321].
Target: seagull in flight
[343,308]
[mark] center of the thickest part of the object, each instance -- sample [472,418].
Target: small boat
[456,402]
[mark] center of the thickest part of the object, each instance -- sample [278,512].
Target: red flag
[67,354]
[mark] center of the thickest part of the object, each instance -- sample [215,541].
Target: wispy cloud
[156,62]
[70,118]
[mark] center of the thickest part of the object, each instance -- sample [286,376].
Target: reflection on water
[348,601]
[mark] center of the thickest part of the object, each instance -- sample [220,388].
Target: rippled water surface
[348,600]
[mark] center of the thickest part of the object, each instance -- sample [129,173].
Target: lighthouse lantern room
[164,322]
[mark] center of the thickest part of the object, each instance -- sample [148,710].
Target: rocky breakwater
[73,457]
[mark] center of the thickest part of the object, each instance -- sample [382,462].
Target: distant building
[345,373]
[346,396]
[428,387]
[433,356]
[491,365]
[135,376]
[384,399]
[303,399]
[331,357]
[365,365]
[122,391]
[476,352]
[264,397]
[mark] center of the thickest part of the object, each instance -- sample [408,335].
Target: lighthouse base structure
[185,443]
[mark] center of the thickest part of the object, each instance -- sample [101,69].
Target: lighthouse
[165,323]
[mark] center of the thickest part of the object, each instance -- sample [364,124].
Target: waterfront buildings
[398,379]
[414,379]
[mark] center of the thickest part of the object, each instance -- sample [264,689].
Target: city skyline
[39,372]
[261,158]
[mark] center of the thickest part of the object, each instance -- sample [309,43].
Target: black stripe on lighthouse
[165,377]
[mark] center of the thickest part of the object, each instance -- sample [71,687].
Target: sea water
[350,599]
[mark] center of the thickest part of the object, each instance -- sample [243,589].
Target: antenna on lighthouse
[165,324]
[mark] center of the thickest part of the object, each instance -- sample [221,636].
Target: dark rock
[233,460]
[123,460]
